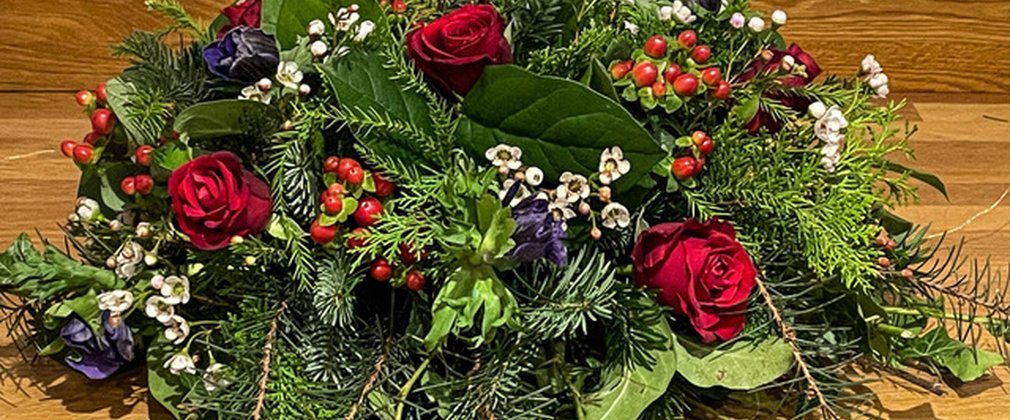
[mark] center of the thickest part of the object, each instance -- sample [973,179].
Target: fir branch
[174,10]
[265,375]
[371,381]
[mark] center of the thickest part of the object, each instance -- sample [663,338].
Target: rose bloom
[242,13]
[797,103]
[214,199]
[701,271]
[454,49]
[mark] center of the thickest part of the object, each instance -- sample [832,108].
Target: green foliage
[287,19]
[940,349]
[231,117]
[627,391]
[181,20]
[26,272]
[334,297]
[168,389]
[740,365]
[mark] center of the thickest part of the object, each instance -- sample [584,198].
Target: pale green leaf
[627,393]
[742,365]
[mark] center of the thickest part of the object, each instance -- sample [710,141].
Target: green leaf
[287,19]
[171,156]
[627,393]
[559,124]
[468,291]
[598,78]
[118,94]
[229,117]
[745,110]
[963,362]
[26,272]
[84,306]
[742,365]
[53,347]
[926,177]
[102,183]
[165,387]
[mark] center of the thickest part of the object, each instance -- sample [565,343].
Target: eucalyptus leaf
[229,117]
[627,393]
[741,365]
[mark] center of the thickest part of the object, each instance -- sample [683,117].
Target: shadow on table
[953,388]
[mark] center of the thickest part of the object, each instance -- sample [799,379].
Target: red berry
[671,74]
[701,54]
[83,153]
[698,165]
[415,281]
[356,238]
[687,39]
[100,92]
[128,185]
[336,189]
[655,46]
[706,147]
[698,137]
[711,76]
[103,121]
[683,167]
[368,208]
[85,98]
[355,175]
[399,6]
[659,88]
[322,235]
[67,147]
[330,164]
[645,74]
[410,256]
[686,84]
[92,138]
[383,187]
[621,69]
[333,205]
[380,270]
[143,155]
[144,184]
[722,91]
[345,165]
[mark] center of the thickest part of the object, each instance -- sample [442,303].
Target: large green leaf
[963,362]
[742,365]
[230,117]
[559,124]
[166,388]
[287,19]
[627,393]
[102,183]
[119,94]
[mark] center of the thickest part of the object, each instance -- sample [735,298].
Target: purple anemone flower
[711,5]
[98,357]
[244,54]
[538,233]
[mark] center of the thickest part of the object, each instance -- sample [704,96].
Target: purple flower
[98,357]
[711,5]
[244,54]
[538,233]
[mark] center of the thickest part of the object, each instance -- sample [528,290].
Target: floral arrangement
[528,209]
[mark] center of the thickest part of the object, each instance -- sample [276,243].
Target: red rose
[242,13]
[454,49]
[702,272]
[215,199]
[796,103]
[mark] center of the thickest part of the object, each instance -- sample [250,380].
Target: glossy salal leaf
[560,125]
[626,393]
[741,365]
[288,19]
[101,183]
[926,177]
[965,363]
[230,117]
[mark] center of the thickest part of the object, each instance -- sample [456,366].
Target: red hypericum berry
[659,88]
[92,138]
[686,85]
[410,256]
[368,208]
[322,235]
[101,94]
[380,270]
[722,91]
[356,238]
[85,98]
[355,175]
[128,185]
[698,137]
[621,69]
[699,164]
[671,73]
[399,6]
[330,164]
[701,54]
[706,147]
[103,121]
[333,205]
[683,167]
[144,184]
[645,74]
[345,165]
[336,189]
[143,155]
[655,46]
[687,39]
[83,153]
[414,281]
[711,76]
[383,186]
[67,147]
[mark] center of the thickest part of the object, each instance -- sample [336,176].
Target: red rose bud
[128,185]
[356,239]
[671,73]
[85,98]
[645,74]
[83,154]
[659,88]
[345,165]
[701,54]
[101,94]
[383,187]
[687,39]
[711,76]
[702,273]
[683,167]
[686,85]
[322,235]
[722,91]
[144,184]
[103,122]
[655,46]
[331,164]
[332,205]
[414,281]
[454,49]
[380,270]
[368,208]
[399,7]
[355,176]
[67,148]
[621,69]
[143,155]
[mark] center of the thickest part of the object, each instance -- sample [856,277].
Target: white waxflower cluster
[875,76]
[128,260]
[678,10]
[116,301]
[829,129]
[86,210]
[171,291]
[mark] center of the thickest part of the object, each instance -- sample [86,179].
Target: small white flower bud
[115,225]
[318,48]
[584,208]
[249,260]
[316,28]
[665,13]
[534,176]
[304,90]
[157,281]
[264,84]
[779,17]
[817,109]
[788,62]
[73,217]
[151,258]
[756,24]
[737,20]
[111,262]
[143,229]
[235,240]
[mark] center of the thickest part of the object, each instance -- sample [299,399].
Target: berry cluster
[697,148]
[103,122]
[658,75]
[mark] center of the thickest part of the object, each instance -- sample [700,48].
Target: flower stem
[405,390]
